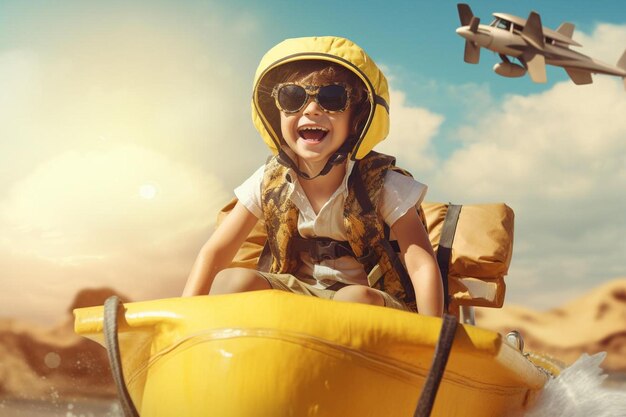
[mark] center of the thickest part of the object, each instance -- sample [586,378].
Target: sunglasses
[292,97]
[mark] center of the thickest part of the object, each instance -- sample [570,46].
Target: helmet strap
[336,158]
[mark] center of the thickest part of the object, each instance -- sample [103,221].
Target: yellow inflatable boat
[274,354]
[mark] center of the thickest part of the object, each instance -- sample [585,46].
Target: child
[328,201]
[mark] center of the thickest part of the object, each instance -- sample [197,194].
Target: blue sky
[120,122]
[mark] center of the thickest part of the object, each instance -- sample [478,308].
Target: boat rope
[440,359]
[112,308]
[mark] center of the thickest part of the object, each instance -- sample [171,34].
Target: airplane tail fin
[566,29]
[621,63]
[533,31]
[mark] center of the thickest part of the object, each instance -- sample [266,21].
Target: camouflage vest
[367,232]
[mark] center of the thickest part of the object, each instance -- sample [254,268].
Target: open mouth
[313,133]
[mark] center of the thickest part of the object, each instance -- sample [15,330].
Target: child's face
[313,133]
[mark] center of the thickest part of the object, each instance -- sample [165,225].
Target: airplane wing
[563,34]
[536,64]
[534,60]
[533,31]
[579,77]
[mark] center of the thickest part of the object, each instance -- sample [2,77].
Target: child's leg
[233,280]
[359,294]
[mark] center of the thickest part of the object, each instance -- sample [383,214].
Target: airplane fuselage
[511,43]
[495,39]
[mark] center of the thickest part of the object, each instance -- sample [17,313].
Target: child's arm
[219,251]
[420,263]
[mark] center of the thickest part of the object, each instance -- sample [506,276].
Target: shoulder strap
[444,251]
[360,190]
[372,168]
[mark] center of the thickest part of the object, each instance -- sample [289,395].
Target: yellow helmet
[339,51]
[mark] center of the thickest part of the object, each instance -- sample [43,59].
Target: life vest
[366,230]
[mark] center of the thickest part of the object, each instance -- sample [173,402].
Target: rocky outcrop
[46,363]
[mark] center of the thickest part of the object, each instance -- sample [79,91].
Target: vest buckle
[324,250]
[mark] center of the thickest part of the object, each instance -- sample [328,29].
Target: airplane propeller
[473,25]
[465,13]
[472,51]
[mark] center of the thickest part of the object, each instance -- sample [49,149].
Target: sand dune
[593,323]
[51,363]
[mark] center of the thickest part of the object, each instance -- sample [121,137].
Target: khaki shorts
[289,283]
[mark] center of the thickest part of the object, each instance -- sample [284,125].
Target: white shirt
[399,194]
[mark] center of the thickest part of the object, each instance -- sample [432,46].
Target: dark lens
[291,97]
[333,97]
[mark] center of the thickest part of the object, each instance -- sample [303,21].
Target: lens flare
[148,191]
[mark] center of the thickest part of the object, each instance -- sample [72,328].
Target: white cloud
[569,135]
[606,43]
[80,220]
[99,190]
[91,111]
[154,83]
[559,159]
[20,82]
[411,132]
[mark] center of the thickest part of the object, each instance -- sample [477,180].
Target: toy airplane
[533,45]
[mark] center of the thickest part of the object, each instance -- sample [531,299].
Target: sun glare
[148,191]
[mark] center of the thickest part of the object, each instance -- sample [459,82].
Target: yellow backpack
[473,243]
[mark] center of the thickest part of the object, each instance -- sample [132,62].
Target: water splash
[578,392]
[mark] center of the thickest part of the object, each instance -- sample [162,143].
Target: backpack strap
[444,251]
